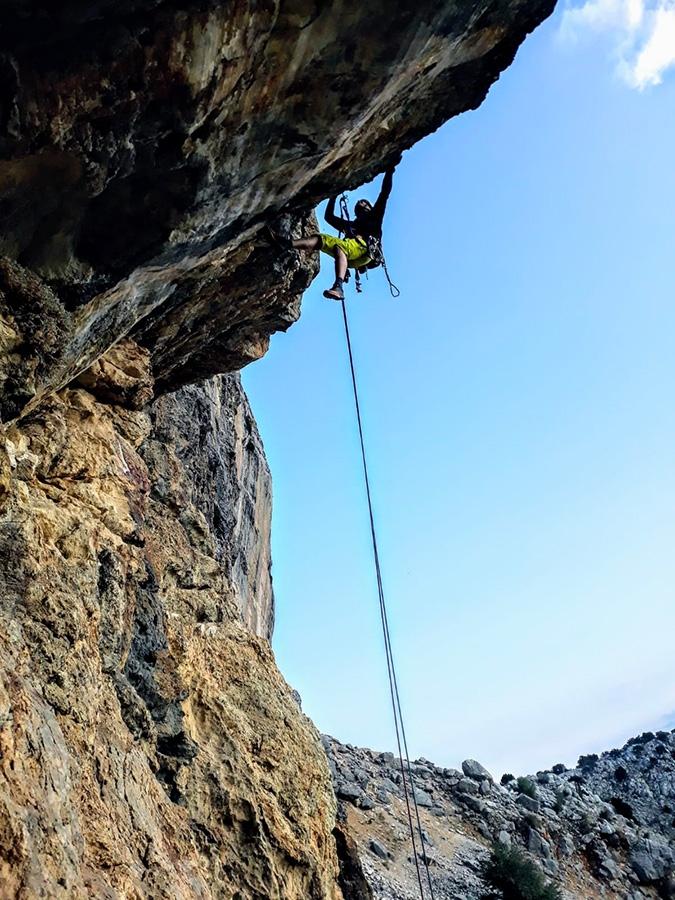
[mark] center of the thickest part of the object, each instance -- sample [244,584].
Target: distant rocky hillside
[604,829]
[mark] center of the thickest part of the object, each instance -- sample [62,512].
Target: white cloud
[643,32]
[658,53]
[601,15]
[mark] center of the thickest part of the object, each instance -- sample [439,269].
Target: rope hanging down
[401,741]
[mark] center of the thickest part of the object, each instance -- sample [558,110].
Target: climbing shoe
[336,292]
[277,240]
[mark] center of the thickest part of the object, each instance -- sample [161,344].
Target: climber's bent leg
[308,243]
[284,244]
[347,252]
[337,291]
[340,263]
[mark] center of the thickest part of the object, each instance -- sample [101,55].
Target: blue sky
[518,404]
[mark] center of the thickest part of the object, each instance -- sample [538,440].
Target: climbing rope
[401,741]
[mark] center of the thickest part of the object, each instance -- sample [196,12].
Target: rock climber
[355,249]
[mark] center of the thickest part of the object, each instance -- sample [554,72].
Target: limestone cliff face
[209,468]
[149,747]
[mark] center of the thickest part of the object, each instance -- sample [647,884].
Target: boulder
[537,844]
[528,803]
[652,859]
[348,791]
[422,798]
[566,845]
[388,785]
[467,786]
[473,769]
[378,849]
[609,870]
[474,803]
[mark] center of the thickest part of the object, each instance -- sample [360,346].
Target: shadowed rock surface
[142,144]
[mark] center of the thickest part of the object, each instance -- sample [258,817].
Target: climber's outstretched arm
[385,191]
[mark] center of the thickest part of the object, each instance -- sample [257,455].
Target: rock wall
[604,829]
[209,469]
[149,747]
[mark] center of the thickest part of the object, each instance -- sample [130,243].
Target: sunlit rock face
[149,747]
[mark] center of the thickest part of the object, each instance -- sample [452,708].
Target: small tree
[559,804]
[525,786]
[588,762]
[509,875]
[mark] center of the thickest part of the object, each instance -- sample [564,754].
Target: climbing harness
[372,248]
[401,740]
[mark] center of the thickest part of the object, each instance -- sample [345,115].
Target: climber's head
[362,208]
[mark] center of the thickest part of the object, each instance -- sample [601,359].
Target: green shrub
[588,822]
[559,804]
[525,786]
[506,777]
[529,820]
[588,762]
[509,875]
